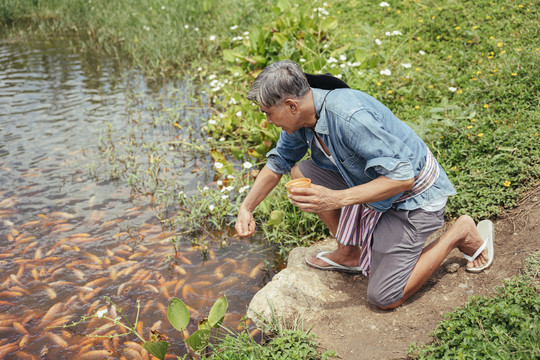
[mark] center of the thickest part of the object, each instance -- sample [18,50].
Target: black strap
[325,81]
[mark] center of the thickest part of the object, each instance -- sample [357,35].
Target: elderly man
[375,185]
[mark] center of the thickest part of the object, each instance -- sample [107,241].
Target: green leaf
[158,349]
[329,23]
[217,313]
[198,340]
[178,314]
[280,38]
[204,325]
[276,217]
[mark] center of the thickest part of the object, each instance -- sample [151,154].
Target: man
[375,185]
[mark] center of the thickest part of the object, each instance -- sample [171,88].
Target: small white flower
[422,52]
[246,33]
[234,27]
[342,65]
[218,165]
[101,312]
[452,89]
[302,60]
[396,32]
[239,114]
[236,74]
[222,139]
[386,72]
[243,189]
[232,101]
[224,197]
[406,65]
[342,57]
[212,37]
[355,64]
[384,4]
[325,46]
[211,207]
[117,320]
[199,68]
[230,177]
[332,60]
[205,188]
[212,122]
[181,193]
[227,189]
[212,76]
[163,7]
[186,26]
[338,76]
[247,165]
[219,183]
[196,29]
[378,42]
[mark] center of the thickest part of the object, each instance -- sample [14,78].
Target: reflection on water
[68,239]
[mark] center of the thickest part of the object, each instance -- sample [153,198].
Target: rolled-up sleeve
[385,154]
[290,149]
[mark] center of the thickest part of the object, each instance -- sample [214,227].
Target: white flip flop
[487,232]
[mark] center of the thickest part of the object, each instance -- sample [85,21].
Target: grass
[503,326]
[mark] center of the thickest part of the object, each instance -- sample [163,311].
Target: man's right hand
[245,223]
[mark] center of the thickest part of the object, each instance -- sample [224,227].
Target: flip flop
[333,265]
[487,232]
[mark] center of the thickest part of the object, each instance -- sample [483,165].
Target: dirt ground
[358,330]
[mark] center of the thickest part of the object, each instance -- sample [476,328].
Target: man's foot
[471,243]
[343,255]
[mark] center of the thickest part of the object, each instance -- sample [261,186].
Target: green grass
[503,326]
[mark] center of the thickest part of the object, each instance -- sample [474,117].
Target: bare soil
[357,330]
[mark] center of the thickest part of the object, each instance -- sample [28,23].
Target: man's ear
[291,104]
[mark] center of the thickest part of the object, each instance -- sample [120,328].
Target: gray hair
[280,80]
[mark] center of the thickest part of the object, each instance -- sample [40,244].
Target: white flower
[384,4]
[227,189]
[386,72]
[212,122]
[211,207]
[147,28]
[199,68]
[230,177]
[378,42]
[395,32]
[218,165]
[212,37]
[406,65]
[236,74]
[163,7]
[421,52]
[355,64]
[181,193]
[205,188]
[222,139]
[186,26]
[239,114]
[212,77]
[342,65]
[452,89]
[342,57]
[234,27]
[246,33]
[101,312]
[243,188]
[117,320]
[232,101]
[338,76]
[247,165]
[224,197]
[332,60]
[196,29]
[302,60]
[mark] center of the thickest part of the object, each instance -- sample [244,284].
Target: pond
[71,235]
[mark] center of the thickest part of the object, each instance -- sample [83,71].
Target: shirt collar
[321,126]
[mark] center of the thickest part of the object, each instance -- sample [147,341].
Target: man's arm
[265,182]
[318,198]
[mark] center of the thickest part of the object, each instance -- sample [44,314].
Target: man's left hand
[315,199]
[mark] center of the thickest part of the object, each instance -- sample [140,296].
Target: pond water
[69,237]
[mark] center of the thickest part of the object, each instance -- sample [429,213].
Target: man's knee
[296,173]
[384,298]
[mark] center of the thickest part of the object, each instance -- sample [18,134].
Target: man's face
[283,116]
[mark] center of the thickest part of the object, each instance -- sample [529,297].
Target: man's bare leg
[462,235]
[344,255]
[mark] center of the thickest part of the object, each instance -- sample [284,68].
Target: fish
[57,339]
[255,270]
[8,349]
[52,313]
[20,328]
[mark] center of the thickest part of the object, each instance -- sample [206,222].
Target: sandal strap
[327,260]
[478,252]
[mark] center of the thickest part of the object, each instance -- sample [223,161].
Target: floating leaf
[198,340]
[158,349]
[178,314]
[217,313]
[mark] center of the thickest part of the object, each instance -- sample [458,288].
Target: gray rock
[452,268]
[300,290]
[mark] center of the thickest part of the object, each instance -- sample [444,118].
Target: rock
[301,290]
[452,268]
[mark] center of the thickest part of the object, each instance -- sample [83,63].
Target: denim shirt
[366,141]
